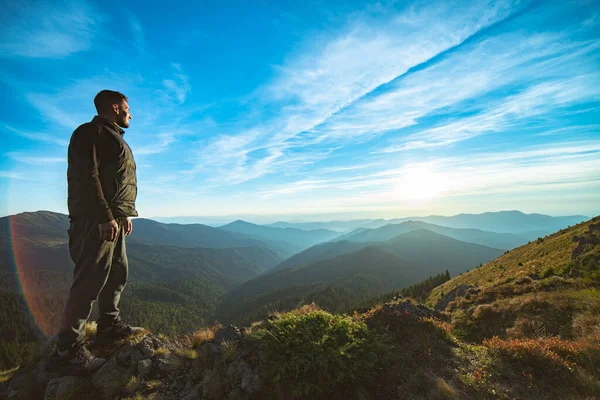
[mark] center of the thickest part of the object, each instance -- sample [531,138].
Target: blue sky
[312,110]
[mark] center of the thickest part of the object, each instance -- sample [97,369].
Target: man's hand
[109,231]
[128,226]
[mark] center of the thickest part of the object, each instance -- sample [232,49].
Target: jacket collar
[103,121]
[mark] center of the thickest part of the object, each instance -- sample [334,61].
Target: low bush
[547,366]
[317,355]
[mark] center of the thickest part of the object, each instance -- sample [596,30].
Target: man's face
[123,115]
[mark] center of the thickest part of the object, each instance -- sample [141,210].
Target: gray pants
[100,272]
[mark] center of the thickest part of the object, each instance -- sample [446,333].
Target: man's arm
[84,157]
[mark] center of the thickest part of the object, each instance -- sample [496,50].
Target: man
[102,189]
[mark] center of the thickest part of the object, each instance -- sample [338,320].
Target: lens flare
[22,258]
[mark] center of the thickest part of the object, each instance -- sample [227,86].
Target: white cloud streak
[326,78]
[36,160]
[46,29]
[164,140]
[11,175]
[137,31]
[558,164]
[178,87]
[37,136]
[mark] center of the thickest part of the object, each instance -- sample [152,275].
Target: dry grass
[5,376]
[302,310]
[228,350]
[547,365]
[305,309]
[151,385]
[538,257]
[204,334]
[188,354]
[162,351]
[135,397]
[132,385]
[90,329]
[202,362]
[443,391]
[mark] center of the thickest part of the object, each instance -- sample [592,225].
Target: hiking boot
[118,330]
[76,361]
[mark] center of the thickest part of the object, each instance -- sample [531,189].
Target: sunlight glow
[419,183]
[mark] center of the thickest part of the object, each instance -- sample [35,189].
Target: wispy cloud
[35,160]
[328,77]
[163,142]
[177,87]
[137,31]
[565,164]
[51,110]
[11,175]
[507,113]
[37,136]
[46,29]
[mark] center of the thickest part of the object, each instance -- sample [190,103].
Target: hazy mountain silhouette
[374,268]
[296,238]
[500,222]
[156,252]
[338,226]
[491,239]
[198,235]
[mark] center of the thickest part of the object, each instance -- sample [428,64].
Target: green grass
[318,354]
[554,253]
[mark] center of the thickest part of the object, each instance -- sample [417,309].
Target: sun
[419,183]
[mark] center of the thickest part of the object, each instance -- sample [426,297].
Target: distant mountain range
[297,239]
[361,271]
[492,239]
[337,226]
[156,252]
[500,222]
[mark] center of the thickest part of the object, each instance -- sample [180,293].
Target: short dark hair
[106,98]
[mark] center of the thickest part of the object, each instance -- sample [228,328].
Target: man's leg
[110,295]
[92,258]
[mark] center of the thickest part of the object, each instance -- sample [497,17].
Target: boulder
[408,307]
[228,333]
[459,291]
[66,387]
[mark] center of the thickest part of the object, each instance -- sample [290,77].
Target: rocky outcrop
[408,307]
[152,367]
[584,242]
[459,291]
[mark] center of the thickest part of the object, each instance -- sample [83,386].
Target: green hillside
[197,235]
[319,252]
[339,283]
[547,287]
[440,252]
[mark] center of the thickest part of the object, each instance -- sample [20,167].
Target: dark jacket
[101,173]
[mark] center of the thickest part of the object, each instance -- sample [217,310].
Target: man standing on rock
[102,189]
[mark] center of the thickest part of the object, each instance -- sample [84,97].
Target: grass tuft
[204,334]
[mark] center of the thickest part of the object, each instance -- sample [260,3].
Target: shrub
[317,354]
[548,273]
[547,365]
[423,352]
